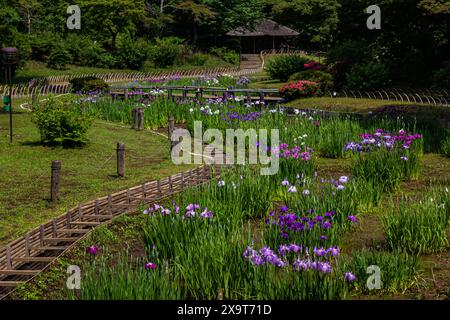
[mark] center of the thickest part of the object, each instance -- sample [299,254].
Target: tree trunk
[194,34]
[113,42]
[448,34]
[29,21]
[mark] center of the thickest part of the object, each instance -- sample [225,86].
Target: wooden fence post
[126,94]
[249,98]
[225,95]
[141,118]
[261,98]
[33,99]
[171,129]
[184,93]
[54,189]
[120,159]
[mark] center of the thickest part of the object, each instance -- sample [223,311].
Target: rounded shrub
[441,77]
[300,89]
[282,67]
[198,59]
[60,122]
[368,76]
[91,55]
[88,84]
[168,51]
[324,79]
[131,54]
[227,55]
[59,59]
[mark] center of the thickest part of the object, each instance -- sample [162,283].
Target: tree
[195,12]
[315,20]
[439,9]
[9,20]
[29,10]
[113,16]
[235,13]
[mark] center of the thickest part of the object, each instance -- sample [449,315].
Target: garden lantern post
[9,58]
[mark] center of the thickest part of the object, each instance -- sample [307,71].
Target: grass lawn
[363,106]
[266,84]
[87,173]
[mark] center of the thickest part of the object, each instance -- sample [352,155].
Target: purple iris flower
[300,265]
[93,250]
[324,267]
[326,225]
[349,277]
[150,266]
[334,251]
[320,252]
[295,248]
[283,250]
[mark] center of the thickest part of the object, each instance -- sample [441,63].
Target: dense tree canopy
[414,39]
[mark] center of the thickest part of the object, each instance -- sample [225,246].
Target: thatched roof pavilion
[267,34]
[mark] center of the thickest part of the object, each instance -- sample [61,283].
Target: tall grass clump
[126,278]
[334,133]
[397,269]
[418,228]
[386,159]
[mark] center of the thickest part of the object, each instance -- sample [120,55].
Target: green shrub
[417,228]
[227,55]
[108,60]
[91,55]
[342,57]
[441,77]
[88,84]
[43,44]
[76,44]
[445,147]
[62,122]
[282,67]
[59,59]
[350,51]
[368,76]
[131,54]
[324,79]
[168,51]
[198,59]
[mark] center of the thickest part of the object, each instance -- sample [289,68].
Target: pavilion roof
[266,27]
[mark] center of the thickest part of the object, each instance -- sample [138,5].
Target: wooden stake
[54,189]
[120,159]
[141,118]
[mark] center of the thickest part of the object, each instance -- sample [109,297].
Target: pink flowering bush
[300,89]
[314,65]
